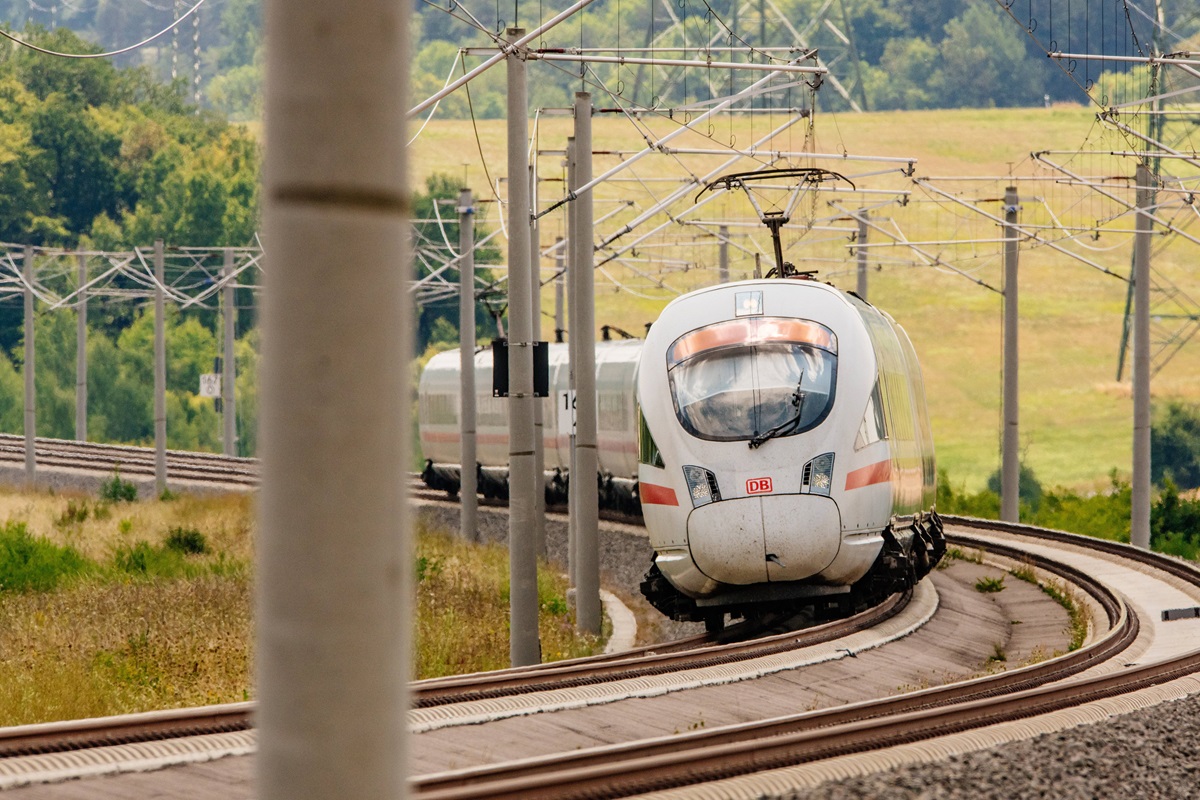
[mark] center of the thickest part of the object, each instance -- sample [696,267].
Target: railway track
[103,460]
[1134,646]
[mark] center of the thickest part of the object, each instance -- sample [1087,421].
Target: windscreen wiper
[789,426]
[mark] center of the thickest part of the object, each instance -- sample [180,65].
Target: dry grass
[142,625]
[225,520]
[103,647]
[462,602]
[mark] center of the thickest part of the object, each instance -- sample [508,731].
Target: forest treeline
[887,54]
[111,158]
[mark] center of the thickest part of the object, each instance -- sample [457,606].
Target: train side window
[873,427]
[647,450]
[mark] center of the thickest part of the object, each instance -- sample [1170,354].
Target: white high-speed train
[785,452]
[779,446]
[616,424]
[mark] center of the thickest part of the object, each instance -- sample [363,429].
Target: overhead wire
[107,54]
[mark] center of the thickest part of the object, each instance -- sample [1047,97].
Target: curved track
[1133,645]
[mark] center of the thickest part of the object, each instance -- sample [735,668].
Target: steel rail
[701,756]
[614,777]
[733,750]
[57,737]
[104,458]
[643,662]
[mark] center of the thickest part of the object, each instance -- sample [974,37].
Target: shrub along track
[703,755]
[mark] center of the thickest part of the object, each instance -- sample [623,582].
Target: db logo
[758,486]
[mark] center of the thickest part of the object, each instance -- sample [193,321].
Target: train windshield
[769,377]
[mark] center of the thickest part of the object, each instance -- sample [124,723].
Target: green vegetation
[891,54]
[102,616]
[437,321]
[462,609]
[1175,444]
[990,585]
[110,159]
[1078,625]
[31,564]
[1174,520]
[1024,572]
[115,490]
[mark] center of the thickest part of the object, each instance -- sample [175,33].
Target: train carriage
[438,416]
[785,452]
[779,445]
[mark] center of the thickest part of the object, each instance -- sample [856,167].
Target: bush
[984,504]
[118,490]
[147,561]
[31,564]
[73,514]
[187,541]
[1029,488]
[1175,523]
[1175,445]
[1104,515]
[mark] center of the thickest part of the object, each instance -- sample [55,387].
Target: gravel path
[1153,754]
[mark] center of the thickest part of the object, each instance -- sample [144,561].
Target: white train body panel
[803,509]
[439,407]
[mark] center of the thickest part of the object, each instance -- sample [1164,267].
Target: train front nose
[769,538]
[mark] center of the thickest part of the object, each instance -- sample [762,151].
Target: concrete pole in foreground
[524,646]
[160,373]
[559,282]
[228,363]
[583,328]
[861,287]
[539,403]
[1010,460]
[81,351]
[572,363]
[468,483]
[1140,522]
[333,588]
[29,373]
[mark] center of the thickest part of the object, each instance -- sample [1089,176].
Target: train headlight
[702,486]
[818,475]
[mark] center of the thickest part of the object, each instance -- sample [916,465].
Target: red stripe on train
[657,495]
[878,472]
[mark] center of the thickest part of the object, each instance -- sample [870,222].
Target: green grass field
[1076,419]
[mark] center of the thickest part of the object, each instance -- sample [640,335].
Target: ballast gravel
[1152,754]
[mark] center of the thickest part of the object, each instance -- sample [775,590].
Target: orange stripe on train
[870,475]
[657,495]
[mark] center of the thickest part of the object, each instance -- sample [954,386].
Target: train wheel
[714,621]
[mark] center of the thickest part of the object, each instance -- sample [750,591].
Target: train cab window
[737,380]
[873,427]
[648,452]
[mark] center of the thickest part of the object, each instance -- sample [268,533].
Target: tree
[907,73]
[71,161]
[1029,488]
[1175,444]
[986,63]
[438,320]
